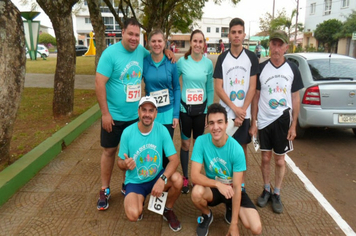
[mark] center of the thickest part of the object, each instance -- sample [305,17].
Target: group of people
[144,126]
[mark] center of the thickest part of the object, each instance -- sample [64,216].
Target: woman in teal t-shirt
[197,95]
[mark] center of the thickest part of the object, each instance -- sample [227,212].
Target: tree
[60,13]
[327,33]
[348,28]
[12,71]
[47,39]
[98,26]
[266,21]
[283,22]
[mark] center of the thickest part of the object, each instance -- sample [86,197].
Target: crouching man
[224,162]
[140,155]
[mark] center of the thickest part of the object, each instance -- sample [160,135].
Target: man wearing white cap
[141,148]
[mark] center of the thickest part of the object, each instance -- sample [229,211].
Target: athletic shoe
[203,224]
[264,198]
[103,201]
[173,222]
[228,213]
[185,188]
[277,203]
[123,189]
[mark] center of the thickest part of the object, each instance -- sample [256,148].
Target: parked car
[28,55]
[80,50]
[43,50]
[329,95]
[211,50]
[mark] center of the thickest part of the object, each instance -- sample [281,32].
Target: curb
[19,173]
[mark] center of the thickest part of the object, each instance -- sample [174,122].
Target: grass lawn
[85,65]
[35,122]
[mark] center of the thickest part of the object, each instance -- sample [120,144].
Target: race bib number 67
[194,96]
[133,93]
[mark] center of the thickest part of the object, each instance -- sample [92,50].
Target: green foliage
[266,21]
[327,32]
[47,39]
[349,25]
[265,44]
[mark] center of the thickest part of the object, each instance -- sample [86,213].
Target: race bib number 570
[194,96]
[133,93]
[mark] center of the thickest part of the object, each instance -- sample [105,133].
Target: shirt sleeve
[297,80]
[210,84]
[105,64]
[239,164]
[198,154]
[218,68]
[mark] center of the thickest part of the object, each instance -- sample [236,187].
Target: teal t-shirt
[146,150]
[196,75]
[123,68]
[219,161]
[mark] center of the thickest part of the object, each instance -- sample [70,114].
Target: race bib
[157,204]
[133,93]
[162,97]
[194,96]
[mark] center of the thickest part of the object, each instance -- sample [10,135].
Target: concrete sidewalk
[61,200]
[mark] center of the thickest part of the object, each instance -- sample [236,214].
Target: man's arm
[236,202]
[254,111]
[170,55]
[200,179]
[168,172]
[100,90]
[219,89]
[295,111]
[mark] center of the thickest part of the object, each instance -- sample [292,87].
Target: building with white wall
[318,11]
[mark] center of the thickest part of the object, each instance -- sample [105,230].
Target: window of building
[345,3]
[217,30]
[87,20]
[208,29]
[109,23]
[224,32]
[180,44]
[312,8]
[327,4]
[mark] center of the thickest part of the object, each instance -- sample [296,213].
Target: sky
[251,10]
[248,10]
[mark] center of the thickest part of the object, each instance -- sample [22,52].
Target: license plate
[350,118]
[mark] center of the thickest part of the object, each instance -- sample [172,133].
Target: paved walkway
[61,198]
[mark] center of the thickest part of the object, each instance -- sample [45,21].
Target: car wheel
[44,55]
[354,129]
[300,131]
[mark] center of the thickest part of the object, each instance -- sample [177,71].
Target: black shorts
[219,198]
[242,136]
[112,139]
[189,123]
[274,136]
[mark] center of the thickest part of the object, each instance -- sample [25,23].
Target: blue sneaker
[103,201]
[203,224]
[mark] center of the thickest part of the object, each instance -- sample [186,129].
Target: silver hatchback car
[328,98]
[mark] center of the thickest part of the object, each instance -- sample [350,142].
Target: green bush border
[19,173]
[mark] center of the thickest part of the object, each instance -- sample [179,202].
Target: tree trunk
[99,28]
[60,13]
[12,72]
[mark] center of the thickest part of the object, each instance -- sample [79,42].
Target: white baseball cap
[147,99]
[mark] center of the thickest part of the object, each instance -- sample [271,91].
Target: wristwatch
[164,178]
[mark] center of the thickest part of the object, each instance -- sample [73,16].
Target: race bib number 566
[194,96]
[133,93]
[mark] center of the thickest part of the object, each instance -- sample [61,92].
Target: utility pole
[273,10]
[296,25]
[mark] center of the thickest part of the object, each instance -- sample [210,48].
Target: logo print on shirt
[277,89]
[273,103]
[240,95]
[237,81]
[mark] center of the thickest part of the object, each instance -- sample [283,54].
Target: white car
[328,98]
[42,51]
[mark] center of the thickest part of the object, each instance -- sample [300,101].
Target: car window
[294,61]
[333,69]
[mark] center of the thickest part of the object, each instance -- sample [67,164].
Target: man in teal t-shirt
[140,155]
[224,163]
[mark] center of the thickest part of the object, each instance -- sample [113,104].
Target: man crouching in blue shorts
[141,150]
[224,163]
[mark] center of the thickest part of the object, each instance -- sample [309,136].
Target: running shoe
[264,198]
[174,224]
[277,205]
[228,213]
[185,188]
[203,224]
[103,201]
